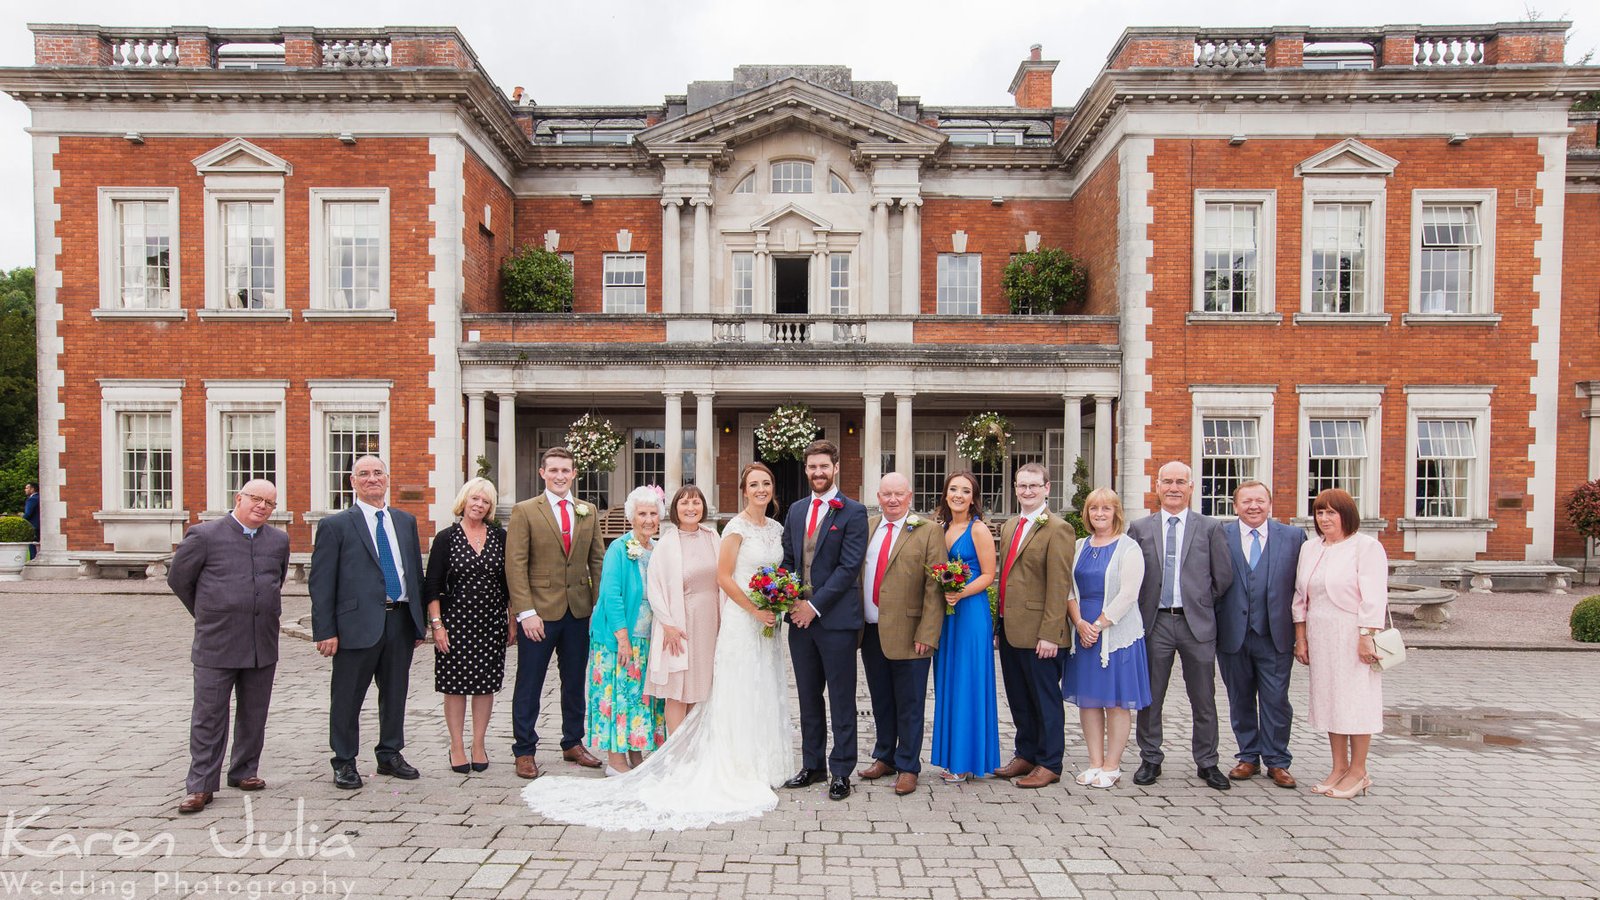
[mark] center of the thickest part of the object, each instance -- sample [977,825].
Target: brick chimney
[1031,86]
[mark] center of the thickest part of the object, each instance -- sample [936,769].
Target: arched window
[746,185]
[791,176]
[837,185]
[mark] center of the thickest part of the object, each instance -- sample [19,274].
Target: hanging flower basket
[594,444]
[984,438]
[786,433]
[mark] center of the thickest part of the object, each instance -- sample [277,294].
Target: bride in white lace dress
[724,760]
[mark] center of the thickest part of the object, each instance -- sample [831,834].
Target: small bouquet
[775,590]
[951,577]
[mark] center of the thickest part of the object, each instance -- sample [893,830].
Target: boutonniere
[1042,517]
[635,549]
[912,521]
[836,503]
[582,509]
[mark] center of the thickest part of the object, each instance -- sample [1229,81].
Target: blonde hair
[472,488]
[1106,497]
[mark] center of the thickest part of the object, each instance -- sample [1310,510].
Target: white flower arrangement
[984,438]
[1042,517]
[582,509]
[634,548]
[594,443]
[786,432]
[912,521]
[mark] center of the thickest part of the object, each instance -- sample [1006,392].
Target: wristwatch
[1367,632]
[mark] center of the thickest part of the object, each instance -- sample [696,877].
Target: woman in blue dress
[1107,676]
[966,717]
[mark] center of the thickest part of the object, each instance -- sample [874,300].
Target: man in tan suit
[904,611]
[553,555]
[1035,581]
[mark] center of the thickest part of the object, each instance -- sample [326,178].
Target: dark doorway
[791,278]
[789,484]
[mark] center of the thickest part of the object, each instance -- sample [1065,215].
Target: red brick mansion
[1357,257]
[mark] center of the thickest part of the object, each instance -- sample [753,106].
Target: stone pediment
[240,157]
[767,221]
[782,105]
[1348,157]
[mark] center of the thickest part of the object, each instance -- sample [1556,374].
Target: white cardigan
[665,594]
[1124,575]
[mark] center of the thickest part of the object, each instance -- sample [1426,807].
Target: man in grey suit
[366,613]
[1255,633]
[229,575]
[1186,569]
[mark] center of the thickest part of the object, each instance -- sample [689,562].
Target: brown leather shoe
[1244,770]
[526,767]
[248,784]
[1017,766]
[580,755]
[905,783]
[878,769]
[1281,777]
[1038,778]
[195,802]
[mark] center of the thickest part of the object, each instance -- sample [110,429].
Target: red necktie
[811,526]
[566,528]
[1011,557]
[883,562]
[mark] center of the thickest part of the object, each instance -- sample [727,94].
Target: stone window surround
[320,198]
[1231,401]
[1482,312]
[235,396]
[118,396]
[1342,401]
[110,306]
[1471,402]
[1266,256]
[1369,190]
[976,287]
[257,188]
[340,396]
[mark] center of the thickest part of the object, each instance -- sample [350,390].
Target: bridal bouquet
[776,590]
[951,577]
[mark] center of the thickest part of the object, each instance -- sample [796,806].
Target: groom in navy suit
[1255,633]
[825,543]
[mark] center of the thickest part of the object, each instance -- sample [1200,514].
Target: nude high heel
[1352,792]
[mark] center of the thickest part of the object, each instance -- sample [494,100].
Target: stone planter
[12,558]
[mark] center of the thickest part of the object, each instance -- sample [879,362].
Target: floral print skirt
[620,717]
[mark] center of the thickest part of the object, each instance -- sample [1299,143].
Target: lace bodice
[759,545]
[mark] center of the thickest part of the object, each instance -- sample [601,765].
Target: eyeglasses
[1024,486]
[260,501]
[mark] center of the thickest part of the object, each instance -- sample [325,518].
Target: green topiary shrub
[1585,620]
[536,280]
[1046,281]
[16,530]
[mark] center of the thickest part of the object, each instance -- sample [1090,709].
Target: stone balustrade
[207,48]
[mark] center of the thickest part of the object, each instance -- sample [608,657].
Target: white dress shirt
[1177,565]
[1244,539]
[869,571]
[371,513]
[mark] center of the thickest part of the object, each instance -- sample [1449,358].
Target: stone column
[760,302]
[871,446]
[911,259]
[506,472]
[880,257]
[702,255]
[673,428]
[705,457]
[475,431]
[671,255]
[1102,440]
[902,433]
[1071,442]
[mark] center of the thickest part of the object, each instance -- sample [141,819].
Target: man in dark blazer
[904,610]
[229,575]
[1186,568]
[366,613]
[1255,633]
[825,542]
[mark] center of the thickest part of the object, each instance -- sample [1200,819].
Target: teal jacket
[621,595]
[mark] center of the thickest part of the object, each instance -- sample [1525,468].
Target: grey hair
[647,494]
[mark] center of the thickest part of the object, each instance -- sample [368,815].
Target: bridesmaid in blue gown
[966,718]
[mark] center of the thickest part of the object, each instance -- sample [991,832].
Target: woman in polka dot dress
[465,589]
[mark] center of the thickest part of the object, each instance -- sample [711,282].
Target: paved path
[1486,787]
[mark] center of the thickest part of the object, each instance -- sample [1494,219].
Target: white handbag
[1391,649]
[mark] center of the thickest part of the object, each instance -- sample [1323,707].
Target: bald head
[894,496]
[1174,486]
[370,479]
[255,502]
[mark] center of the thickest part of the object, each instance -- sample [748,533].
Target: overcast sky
[635,51]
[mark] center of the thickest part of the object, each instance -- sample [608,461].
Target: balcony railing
[218,48]
[1245,49]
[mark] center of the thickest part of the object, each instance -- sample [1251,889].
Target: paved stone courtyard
[1486,786]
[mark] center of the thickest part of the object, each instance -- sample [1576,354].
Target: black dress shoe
[1148,773]
[1214,778]
[345,776]
[839,788]
[397,766]
[805,777]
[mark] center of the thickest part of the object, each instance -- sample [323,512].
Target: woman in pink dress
[686,603]
[1340,598]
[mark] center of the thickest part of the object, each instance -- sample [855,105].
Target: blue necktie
[1255,548]
[391,574]
[1169,567]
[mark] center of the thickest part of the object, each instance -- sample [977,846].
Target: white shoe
[1107,777]
[1087,776]
[611,772]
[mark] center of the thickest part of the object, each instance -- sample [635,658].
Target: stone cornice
[766,356]
[792,101]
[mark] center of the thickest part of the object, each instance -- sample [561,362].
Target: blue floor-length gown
[966,715]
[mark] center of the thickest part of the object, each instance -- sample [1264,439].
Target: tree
[1080,493]
[1045,281]
[536,280]
[19,384]
[19,468]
